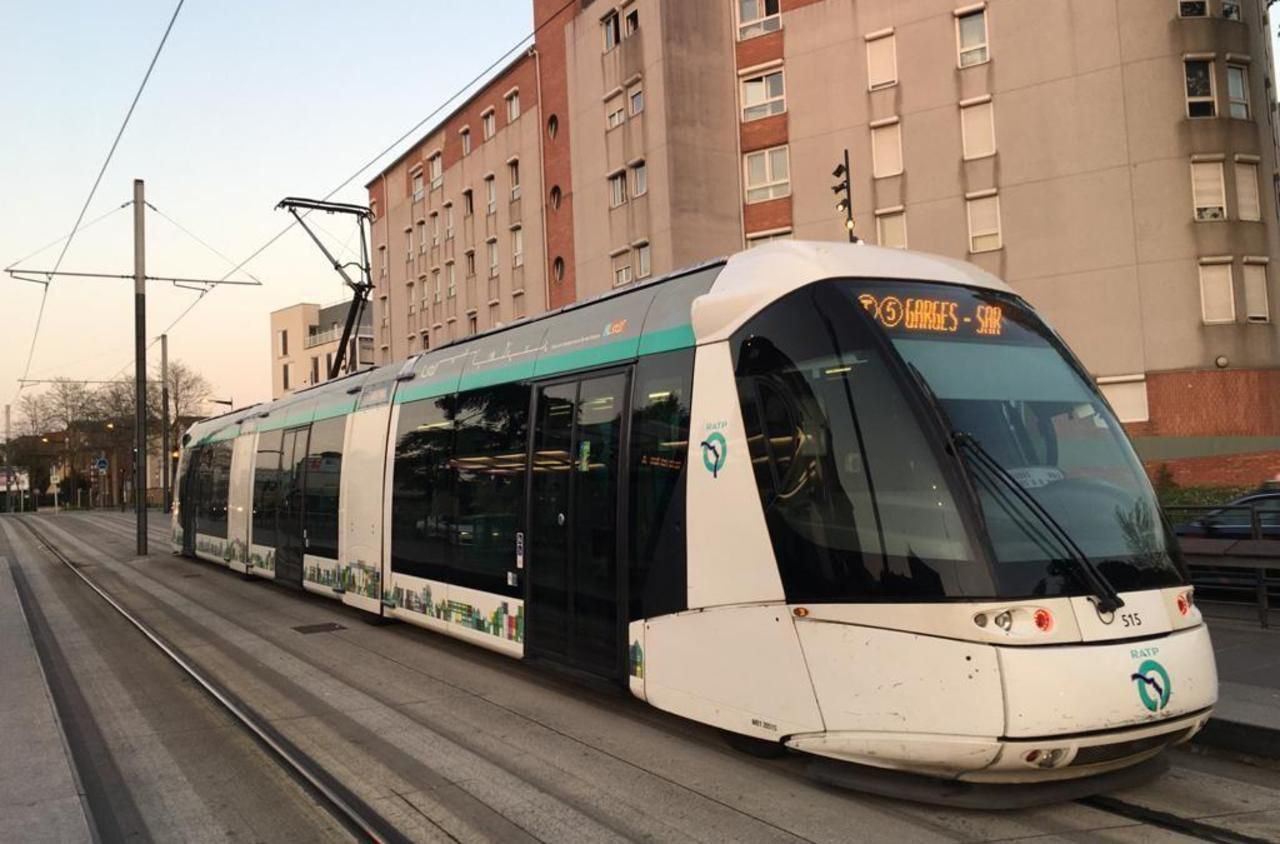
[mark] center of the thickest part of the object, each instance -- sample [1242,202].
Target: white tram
[858,502]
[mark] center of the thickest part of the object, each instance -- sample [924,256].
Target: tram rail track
[344,805]
[1198,829]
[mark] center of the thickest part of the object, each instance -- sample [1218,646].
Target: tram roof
[701,304]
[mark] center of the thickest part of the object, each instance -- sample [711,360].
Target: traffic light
[843,190]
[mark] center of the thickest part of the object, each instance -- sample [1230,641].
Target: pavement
[1247,718]
[445,740]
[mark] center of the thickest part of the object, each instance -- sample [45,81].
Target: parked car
[1233,520]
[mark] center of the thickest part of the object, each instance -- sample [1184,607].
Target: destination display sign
[935,315]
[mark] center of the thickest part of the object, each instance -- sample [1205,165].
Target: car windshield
[1001,377]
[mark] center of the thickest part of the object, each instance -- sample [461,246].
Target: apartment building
[305,340]
[1116,162]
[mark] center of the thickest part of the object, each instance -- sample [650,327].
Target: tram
[856,502]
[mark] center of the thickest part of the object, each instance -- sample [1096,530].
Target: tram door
[289,524]
[187,500]
[574,580]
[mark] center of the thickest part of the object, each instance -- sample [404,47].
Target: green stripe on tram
[652,343]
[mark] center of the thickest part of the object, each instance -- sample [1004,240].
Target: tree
[188,391]
[33,414]
[69,403]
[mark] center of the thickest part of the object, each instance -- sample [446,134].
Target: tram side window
[659,450]
[323,476]
[266,488]
[423,525]
[492,428]
[218,487]
[855,504]
[198,467]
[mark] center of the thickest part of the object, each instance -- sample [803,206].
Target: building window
[328,363]
[614,113]
[886,149]
[617,189]
[315,370]
[984,223]
[1248,202]
[1256,307]
[1238,91]
[408,244]
[435,285]
[513,176]
[513,106]
[882,62]
[609,24]
[451,283]
[471,324]
[557,269]
[382,261]
[422,237]
[635,99]
[417,185]
[639,179]
[642,260]
[490,195]
[448,221]
[1231,10]
[492,246]
[767,174]
[284,342]
[971,37]
[1217,299]
[891,228]
[1200,89]
[1208,195]
[471,263]
[631,24]
[978,129]
[466,141]
[763,96]
[756,17]
[517,247]
[489,122]
[621,269]
[468,203]
[435,168]
[1193,8]
[435,227]
[761,238]
[284,375]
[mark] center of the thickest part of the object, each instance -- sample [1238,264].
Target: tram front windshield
[861,500]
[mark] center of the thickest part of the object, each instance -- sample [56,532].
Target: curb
[1239,737]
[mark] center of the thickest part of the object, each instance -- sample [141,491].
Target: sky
[249,102]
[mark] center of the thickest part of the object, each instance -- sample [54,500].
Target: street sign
[101,465]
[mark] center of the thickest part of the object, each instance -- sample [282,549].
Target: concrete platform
[1247,718]
[40,796]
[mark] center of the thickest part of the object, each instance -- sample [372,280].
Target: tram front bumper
[978,712]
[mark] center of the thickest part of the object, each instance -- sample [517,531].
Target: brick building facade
[1115,162]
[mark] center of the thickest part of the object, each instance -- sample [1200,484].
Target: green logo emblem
[714,452]
[1154,687]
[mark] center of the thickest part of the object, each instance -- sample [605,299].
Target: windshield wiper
[1108,599]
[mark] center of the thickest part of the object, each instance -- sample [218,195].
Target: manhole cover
[326,627]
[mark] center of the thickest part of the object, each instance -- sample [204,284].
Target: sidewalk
[1247,718]
[39,795]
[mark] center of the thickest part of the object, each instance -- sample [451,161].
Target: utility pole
[140,362]
[164,421]
[845,187]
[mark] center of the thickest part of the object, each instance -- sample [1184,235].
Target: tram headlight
[1004,620]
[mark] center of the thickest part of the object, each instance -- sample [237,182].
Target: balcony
[333,335]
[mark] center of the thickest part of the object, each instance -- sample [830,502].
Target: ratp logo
[714,452]
[1154,687]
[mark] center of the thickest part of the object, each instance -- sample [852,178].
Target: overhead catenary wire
[474,81]
[44,296]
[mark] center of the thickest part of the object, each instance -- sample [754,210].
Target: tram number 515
[1130,619]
